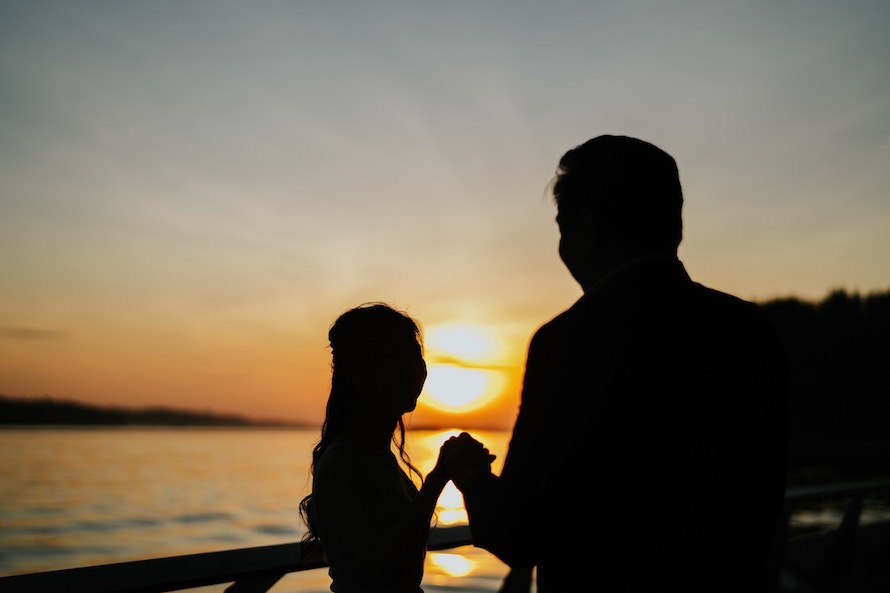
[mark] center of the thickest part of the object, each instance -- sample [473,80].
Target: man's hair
[628,185]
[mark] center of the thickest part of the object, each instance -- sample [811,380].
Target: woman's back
[358,495]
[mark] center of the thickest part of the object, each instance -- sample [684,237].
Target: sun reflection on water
[455,565]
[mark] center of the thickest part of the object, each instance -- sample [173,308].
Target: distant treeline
[839,351]
[55,412]
[838,348]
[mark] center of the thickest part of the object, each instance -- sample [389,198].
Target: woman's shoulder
[342,465]
[342,453]
[349,455]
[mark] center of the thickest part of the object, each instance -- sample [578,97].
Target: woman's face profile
[402,372]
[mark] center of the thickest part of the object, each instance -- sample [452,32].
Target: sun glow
[461,361]
[453,565]
[462,340]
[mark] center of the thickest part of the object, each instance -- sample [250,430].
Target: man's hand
[463,456]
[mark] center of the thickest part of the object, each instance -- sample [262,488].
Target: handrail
[257,569]
[802,493]
[251,570]
[836,559]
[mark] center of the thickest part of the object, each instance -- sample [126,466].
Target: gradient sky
[191,192]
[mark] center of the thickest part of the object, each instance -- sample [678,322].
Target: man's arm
[499,507]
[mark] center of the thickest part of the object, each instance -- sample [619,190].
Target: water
[72,497]
[76,497]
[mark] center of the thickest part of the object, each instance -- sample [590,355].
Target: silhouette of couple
[648,452]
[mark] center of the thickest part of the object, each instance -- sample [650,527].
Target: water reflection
[81,497]
[454,565]
[78,497]
[450,508]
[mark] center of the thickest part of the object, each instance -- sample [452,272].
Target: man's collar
[609,276]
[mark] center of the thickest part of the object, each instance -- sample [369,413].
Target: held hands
[463,456]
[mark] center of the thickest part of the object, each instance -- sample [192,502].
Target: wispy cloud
[454,361]
[31,333]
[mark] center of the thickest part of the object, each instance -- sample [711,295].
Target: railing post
[839,559]
[777,553]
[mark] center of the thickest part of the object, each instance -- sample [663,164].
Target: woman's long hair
[354,339]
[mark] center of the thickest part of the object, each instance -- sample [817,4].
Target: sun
[462,374]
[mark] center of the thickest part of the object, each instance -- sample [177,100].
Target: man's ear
[585,219]
[587,226]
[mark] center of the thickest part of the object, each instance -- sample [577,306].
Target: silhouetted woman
[371,520]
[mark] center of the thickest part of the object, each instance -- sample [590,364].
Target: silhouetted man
[648,453]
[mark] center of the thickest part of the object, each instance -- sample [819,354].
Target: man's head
[619,197]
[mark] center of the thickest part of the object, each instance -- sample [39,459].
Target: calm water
[84,496]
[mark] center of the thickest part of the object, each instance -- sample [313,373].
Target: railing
[256,570]
[840,559]
[250,570]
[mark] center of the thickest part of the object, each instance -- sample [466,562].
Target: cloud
[455,361]
[30,333]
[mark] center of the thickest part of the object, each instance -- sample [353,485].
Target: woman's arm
[354,503]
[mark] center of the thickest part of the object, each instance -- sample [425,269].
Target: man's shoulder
[563,324]
[744,321]
[562,320]
[725,302]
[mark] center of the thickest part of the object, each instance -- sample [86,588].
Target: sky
[191,192]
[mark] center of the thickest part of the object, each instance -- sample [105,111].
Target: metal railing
[250,570]
[256,570]
[834,558]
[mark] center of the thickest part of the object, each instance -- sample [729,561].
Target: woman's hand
[439,473]
[464,456]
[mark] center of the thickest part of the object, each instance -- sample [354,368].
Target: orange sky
[189,196]
[264,374]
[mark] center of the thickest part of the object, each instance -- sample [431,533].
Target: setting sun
[462,340]
[463,375]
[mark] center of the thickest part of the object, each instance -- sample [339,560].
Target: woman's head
[376,361]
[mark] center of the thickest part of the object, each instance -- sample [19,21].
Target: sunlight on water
[450,507]
[75,497]
[455,565]
[82,496]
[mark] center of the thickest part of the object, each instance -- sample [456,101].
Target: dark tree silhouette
[839,352]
